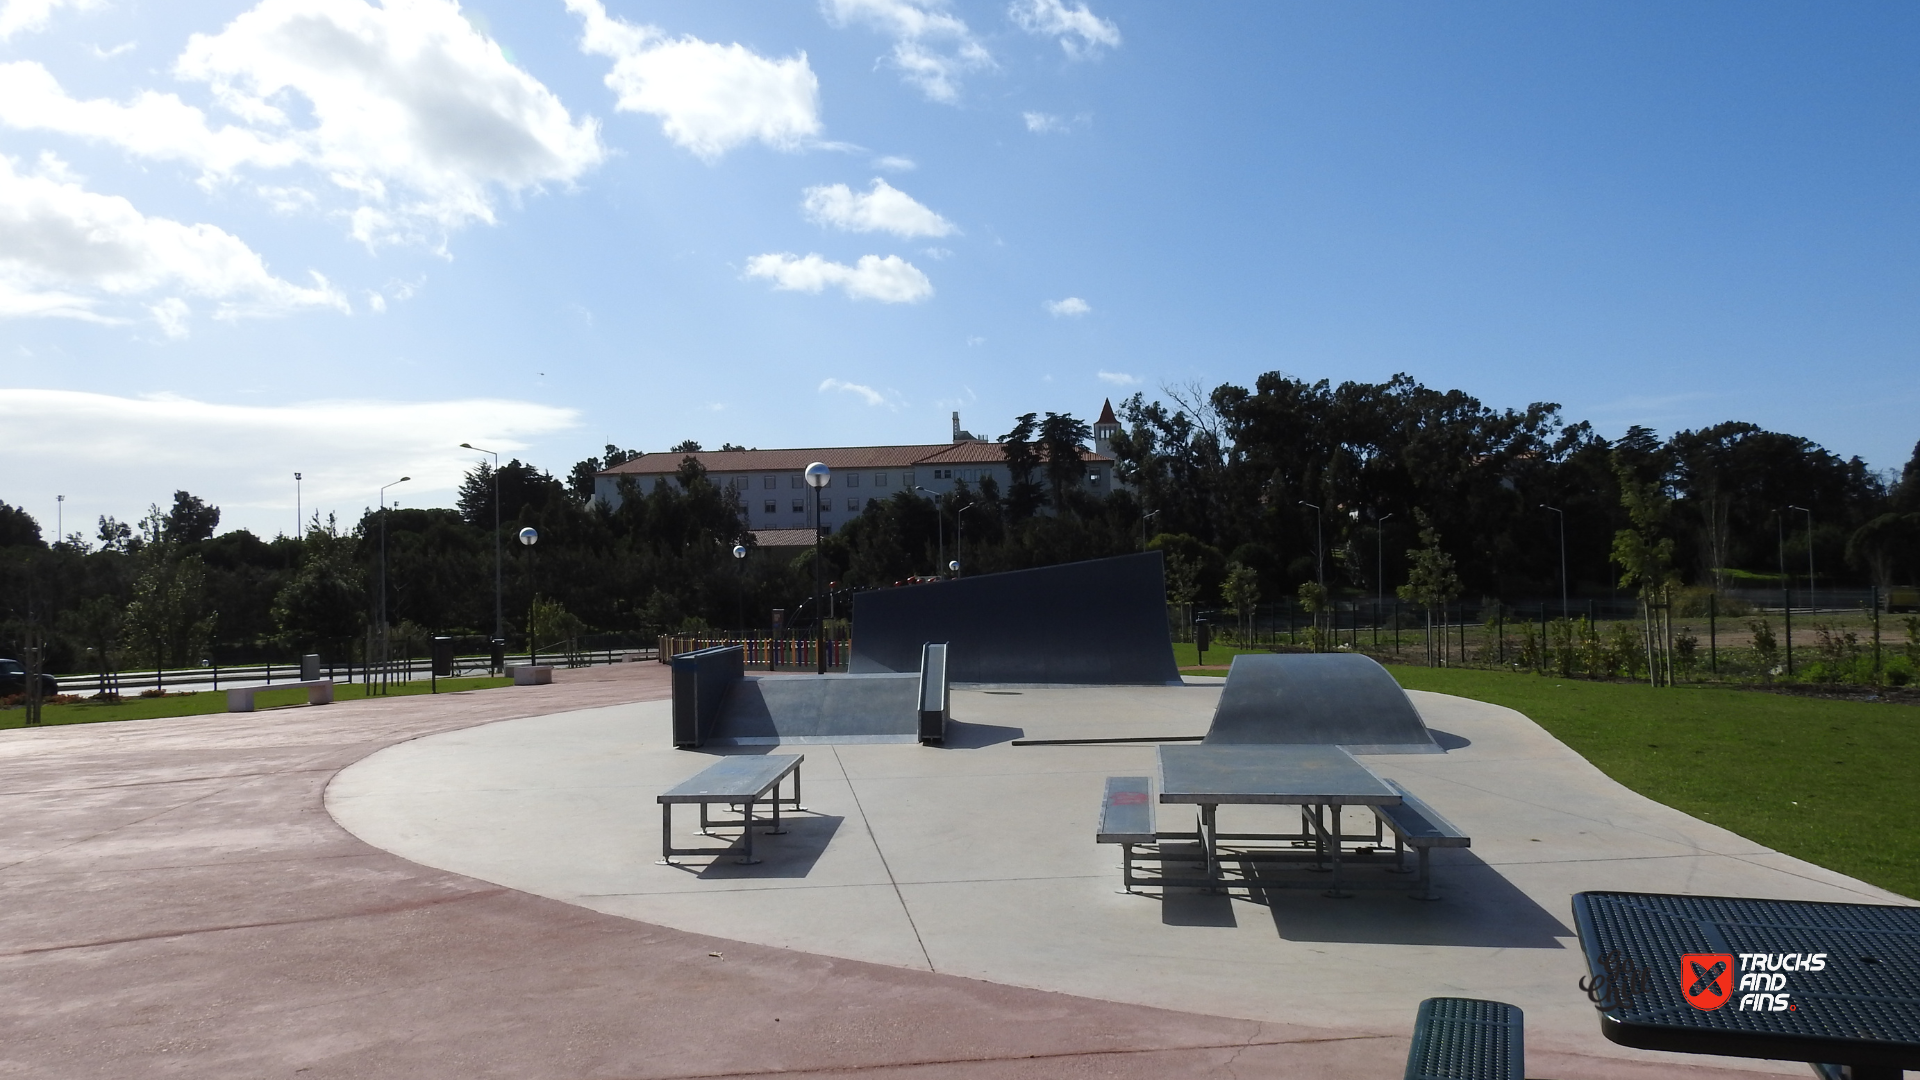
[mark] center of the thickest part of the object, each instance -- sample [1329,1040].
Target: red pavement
[175,900]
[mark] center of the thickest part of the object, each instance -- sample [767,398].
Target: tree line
[1286,489]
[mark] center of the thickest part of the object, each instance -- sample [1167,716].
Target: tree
[17,527]
[1242,593]
[190,521]
[685,446]
[325,603]
[580,480]
[1024,497]
[168,623]
[115,535]
[1431,578]
[1061,439]
[1645,559]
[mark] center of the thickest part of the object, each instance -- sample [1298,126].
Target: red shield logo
[1706,979]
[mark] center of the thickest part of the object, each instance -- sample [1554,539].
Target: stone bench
[319,692]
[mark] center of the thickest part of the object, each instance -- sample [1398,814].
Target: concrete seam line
[1241,1047]
[884,865]
[390,909]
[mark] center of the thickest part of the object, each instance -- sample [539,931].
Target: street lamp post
[1563,557]
[740,589]
[385,659]
[299,517]
[1319,545]
[1786,583]
[1380,575]
[940,526]
[530,536]
[959,537]
[60,519]
[818,476]
[499,609]
[1143,527]
[1813,594]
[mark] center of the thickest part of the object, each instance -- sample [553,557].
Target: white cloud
[932,47]
[892,163]
[865,393]
[1072,307]
[32,15]
[890,280]
[1042,123]
[710,98]
[63,248]
[884,209]
[1081,32]
[126,452]
[1119,378]
[415,111]
[108,54]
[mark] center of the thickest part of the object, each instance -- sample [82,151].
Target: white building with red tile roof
[774,495]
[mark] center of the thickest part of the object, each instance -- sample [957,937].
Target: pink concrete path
[174,900]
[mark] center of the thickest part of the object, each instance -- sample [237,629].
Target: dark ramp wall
[1102,622]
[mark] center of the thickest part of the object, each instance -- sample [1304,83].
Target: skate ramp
[1097,623]
[1329,699]
[834,708]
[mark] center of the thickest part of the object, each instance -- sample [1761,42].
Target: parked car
[13,680]
[1902,598]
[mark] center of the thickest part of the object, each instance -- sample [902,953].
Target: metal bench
[740,782]
[1418,826]
[319,692]
[1126,818]
[1467,1039]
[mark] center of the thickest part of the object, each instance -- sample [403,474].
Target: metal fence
[763,652]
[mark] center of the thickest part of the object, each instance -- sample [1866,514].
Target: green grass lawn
[1217,656]
[1831,782]
[215,701]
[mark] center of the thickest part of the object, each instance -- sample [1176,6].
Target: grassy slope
[1831,782]
[214,701]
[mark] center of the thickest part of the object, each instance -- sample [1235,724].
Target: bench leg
[1399,856]
[1425,881]
[747,830]
[666,834]
[776,830]
[1336,892]
[1209,837]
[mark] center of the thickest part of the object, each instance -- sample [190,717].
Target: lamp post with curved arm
[818,476]
[1813,595]
[1143,526]
[959,535]
[499,609]
[385,659]
[1564,613]
[1380,577]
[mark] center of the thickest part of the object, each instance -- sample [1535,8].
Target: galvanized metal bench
[319,692]
[1467,1039]
[1418,826]
[1126,818]
[741,782]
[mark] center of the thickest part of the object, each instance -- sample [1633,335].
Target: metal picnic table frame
[741,781]
[1316,778]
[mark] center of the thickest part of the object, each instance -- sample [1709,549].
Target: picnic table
[1739,977]
[740,781]
[1318,779]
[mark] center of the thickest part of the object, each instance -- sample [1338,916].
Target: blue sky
[243,239]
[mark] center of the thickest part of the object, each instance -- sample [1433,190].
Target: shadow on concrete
[792,855]
[1448,740]
[1478,908]
[964,736]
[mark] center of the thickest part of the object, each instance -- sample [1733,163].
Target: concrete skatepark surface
[179,902]
[978,860]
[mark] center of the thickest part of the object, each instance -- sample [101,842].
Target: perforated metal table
[1860,1011]
[1311,776]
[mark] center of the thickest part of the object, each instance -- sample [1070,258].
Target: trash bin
[310,668]
[499,665]
[442,657]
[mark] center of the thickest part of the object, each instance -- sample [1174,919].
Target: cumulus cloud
[883,209]
[932,47]
[406,109]
[893,163]
[865,393]
[710,98]
[66,251]
[126,452]
[1119,378]
[1072,307]
[1081,33]
[30,15]
[414,111]
[890,280]
[1042,123]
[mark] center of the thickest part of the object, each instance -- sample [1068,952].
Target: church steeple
[1104,429]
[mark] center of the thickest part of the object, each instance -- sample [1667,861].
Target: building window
[769,481]
[796,481]
[853,479]
[879,479]
[1093,476]
[772,507]
[799,506]
[853,504]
